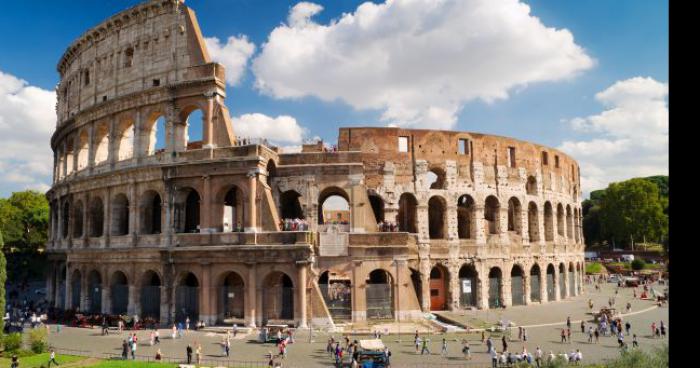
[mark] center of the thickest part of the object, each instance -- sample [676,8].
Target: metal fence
[535,288]
[95,300]
[562,286]
[165,359]
[120,298]
[495,292]
[338,298]
[150,302]
[572,284]
[550,287]
[187,303]
[467,297]
[380,301]
[517,290]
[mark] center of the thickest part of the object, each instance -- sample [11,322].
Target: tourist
[133,350]
[620,338]
[235,330]
[465,349]
[653,329]
[52,358]
[590,334]
[578,357]
[387,356]
[159,356]
[596,334]
[494,359]
[199,354]
[105,329]
[634,341]
[568,335]
[425,347]
[331,351]
[583,327]
[505,344]
[187,324]
[520,333]
[15,361]
[125,349]
[568,322]
[152,338]
[489,345]
[662,328]
[483,337]
[551,357]
[628,326]
[443,351]
[563,335]
[538,357]
[157,336]
[524,335]
[189,354]
[174,334]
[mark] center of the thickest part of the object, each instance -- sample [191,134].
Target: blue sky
[625,40]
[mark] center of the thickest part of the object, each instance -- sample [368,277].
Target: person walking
[125,350]
[417,342]
[590,334]
[494,359]
[563,335]
[634,341]
[157,337]
[505,343]
[189,354]
[443,351]
[568,335]
[52,358]
[199,354]
[174,334]
[520,333]
[620,339]
[483,337]
[538,357]
[228,347]
[425,347]
[628,326]
[597,335]
[568,322]
[583,327]
[653,329]
[663,329]
[489,345]
[466,349]
[524,335]
[133,350]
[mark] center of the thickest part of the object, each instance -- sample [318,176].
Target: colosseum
[146,221]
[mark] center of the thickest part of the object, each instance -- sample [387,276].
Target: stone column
[207,312]
[526,288]
[131,307]
[454,286]
[68,303]
[84,290]
[359,295]
[540,225]
[252,295]
[566,284]
[506,290]
[425,284]
[544,298]
[557,291]
[483,290]
[524,222]
[480,233]
[251,223]
[452,226]
[206,213]
[133,212]
[301,288]
[208,122]
[138,151]
[112,146]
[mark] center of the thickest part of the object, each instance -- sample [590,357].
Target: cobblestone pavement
[305,354]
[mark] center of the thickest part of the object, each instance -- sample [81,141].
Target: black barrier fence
[120,298]
[550,287]
[187,304]
[337,296]
[517,290]
[150,302]
[380,301]
[535,288]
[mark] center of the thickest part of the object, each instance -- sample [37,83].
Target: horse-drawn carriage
[609,313]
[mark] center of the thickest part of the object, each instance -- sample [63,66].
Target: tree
[3,279]
[631,211]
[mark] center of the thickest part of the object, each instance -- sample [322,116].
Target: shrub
[638,264]
[12,342]
[594,268]
[38,340]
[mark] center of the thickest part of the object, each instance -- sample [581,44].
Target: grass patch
[38,360]
[131,364]
[594,267]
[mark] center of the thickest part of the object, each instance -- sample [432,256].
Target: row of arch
[150,297]
[79,151]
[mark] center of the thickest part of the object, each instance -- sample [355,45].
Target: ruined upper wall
[436,147]
[152,44]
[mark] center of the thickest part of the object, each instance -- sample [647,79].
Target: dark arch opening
[438,288]
[379,294]
[232,298]
[271,172]
[465,215]
[278,297]
[468,279]
[377,204]
[533,222]
[150,296]
[290,205]
[514,216]
[97,214]
[65,220]
[548,222]
[517,285]
[436,178]
[120,215]
[407,213]
[234,210]
[187,298]
[491,215]
[495,286]
[336,291]
[119,293]
[436,218]
[152,207]
[78,220]
[535,281]
[94,292]
[75,290]
[187,211]
[531,186]
[551,291]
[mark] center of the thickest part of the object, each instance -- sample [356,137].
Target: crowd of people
[295,224]
[387,226]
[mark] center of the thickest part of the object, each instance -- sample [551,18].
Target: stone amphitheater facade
[193,229]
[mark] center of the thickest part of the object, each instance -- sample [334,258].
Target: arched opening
[515,216]
[435,178]
[193,131]
[187,211]
[334,207]
[577,229]
[379,295]
[65,221]
[491,215]
[572,280]
[119,293]
[407,213]
[336,291]
[151,212]
[468,280]
[535,280]
[377,203]
[560,220]
[533,228]
[233,210]
[517,285]
[120,215]
[465,217]
[436,218]
[125,140]
[290,207]
[438,288]
[550,283]
[78,219]
[569,224]
[157,136]
[61,163]
[531,186]
[150,295]
[101,143]
[271,172]
[70,150]
[61,292]
[278,298]
[94,296]
[495,286]
[75,290]
[97,215]
[83,150]
[417,285]
[231,298]
[548,222]
[562,281]
[187,298]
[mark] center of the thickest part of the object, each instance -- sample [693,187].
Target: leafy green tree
[3,279]
[632,210]
[638,264]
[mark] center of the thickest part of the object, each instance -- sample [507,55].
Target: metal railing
[164,359]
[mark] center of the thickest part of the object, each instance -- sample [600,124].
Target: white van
[628,257]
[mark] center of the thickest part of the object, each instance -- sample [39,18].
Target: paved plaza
[543,323]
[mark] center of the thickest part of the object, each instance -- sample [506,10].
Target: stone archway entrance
[438,288]
[380,296]
[278,297]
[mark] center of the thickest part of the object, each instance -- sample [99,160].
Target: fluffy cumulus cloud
[27,119]
[234,55]
[416,61]
[630,135]
[282,130]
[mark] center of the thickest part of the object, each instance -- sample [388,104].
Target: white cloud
[282,129]
[417,61]
[233,55]
[631,134]
[27,119]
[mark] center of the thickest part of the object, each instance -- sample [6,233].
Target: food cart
[371,354]
[269,332]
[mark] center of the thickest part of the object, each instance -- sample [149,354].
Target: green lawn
[131,364]
[39,360]
[594,268]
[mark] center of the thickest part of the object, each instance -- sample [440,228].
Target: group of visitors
[129,346]
[338,352]
[295,224]
[387,226]
[246,141]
